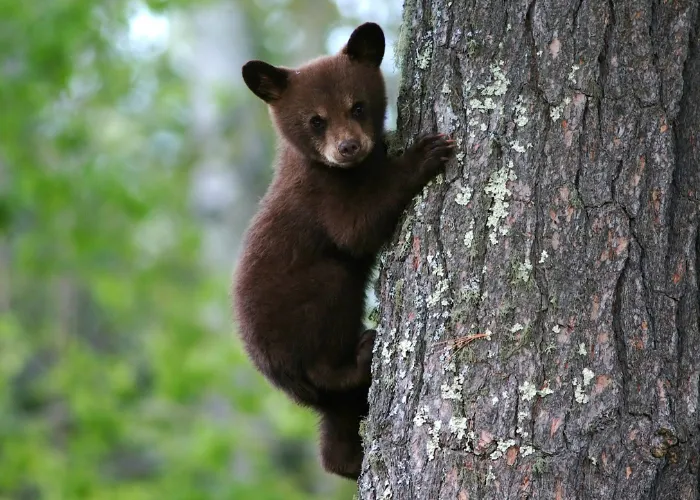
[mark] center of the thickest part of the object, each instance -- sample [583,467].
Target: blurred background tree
[131,158]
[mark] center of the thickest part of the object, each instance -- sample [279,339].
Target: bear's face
[331,109]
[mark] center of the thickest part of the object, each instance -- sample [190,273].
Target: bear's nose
[348,148]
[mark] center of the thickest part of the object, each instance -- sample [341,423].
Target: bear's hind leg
[341,445]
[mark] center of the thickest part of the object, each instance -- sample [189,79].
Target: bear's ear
[366,44]
[265,80]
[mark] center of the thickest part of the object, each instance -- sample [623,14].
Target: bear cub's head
[331,109]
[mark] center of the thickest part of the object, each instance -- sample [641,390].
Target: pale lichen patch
[436,265]
[433,443]
[454,389]
[497,188]
[437,295]
[582,349]
[425,55]
[386,347]
[526,450]
[464,195]
[545,391]
[421,416]
[419,203]
[497,87]
[572,74]
[458,427]
[469,237]
[521,118]
[523,414]
[490,476]
[556,111]
[406,346]
[501,448]
[387,493]
[579,394]
[517,147]
[499,83]
[524,271]
[528,391]
[487,104]
[470,290]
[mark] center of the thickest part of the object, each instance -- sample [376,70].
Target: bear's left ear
[366,44]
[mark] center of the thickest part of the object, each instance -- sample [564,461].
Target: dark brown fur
[335,200]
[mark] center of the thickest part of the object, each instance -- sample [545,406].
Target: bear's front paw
[432,152]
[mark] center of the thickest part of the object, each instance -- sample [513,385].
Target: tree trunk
[539,331]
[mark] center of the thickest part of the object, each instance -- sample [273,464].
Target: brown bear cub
[336,198]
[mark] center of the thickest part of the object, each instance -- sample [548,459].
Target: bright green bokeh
[120,373]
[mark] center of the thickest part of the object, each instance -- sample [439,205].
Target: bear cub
[335,200]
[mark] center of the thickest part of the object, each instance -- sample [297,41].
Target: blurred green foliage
[120,374]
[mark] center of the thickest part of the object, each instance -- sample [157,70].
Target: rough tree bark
[539,331]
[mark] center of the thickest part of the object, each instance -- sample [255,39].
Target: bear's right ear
[265,80]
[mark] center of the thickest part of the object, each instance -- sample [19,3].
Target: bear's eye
[358,109]
[317,122]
